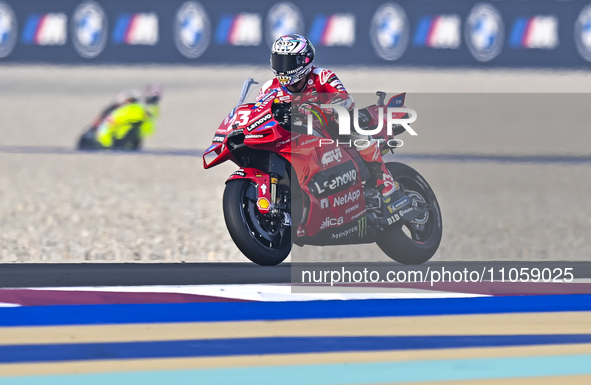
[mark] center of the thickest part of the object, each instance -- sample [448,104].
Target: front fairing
[232,124]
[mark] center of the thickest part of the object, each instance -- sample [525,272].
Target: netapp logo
[351,196]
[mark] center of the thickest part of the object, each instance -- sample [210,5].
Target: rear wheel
[131,141]
[263,239]
[414,242]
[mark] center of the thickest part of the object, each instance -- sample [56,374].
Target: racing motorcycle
[289,190]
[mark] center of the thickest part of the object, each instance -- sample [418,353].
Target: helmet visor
[283,64]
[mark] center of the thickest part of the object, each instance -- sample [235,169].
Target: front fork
[277,166]
[267,189]
[274,182]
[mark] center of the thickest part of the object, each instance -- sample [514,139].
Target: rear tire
[238,215]
[394,241]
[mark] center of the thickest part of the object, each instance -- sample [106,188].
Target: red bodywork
[341,212]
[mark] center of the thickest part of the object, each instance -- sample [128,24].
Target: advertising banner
[387,33]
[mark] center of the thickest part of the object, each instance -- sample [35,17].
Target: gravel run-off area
[57,205]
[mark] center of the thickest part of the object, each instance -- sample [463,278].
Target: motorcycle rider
[292,58]
[130,116]
[121,100]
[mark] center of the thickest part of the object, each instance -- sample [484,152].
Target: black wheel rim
[269,232]
[422,229]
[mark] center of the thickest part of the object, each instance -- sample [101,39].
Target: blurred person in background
[292,58]
[125,123]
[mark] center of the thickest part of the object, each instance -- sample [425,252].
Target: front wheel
[87,141]
[264,240]
[416,241]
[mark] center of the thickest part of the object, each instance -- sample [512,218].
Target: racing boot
[393,196]
[386,184]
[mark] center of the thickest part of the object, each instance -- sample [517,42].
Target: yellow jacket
[125,118]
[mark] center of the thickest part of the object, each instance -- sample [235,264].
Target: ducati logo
[325,75]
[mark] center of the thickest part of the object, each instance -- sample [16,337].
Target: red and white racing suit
[324,87]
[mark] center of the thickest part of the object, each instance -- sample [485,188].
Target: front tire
[87,141]
[249,229]
[418,242]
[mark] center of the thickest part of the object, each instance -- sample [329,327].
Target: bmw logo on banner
[583,33]
[8,29]
[389,31]
[192,30]
[89,28]
[484,32]
[283,19]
